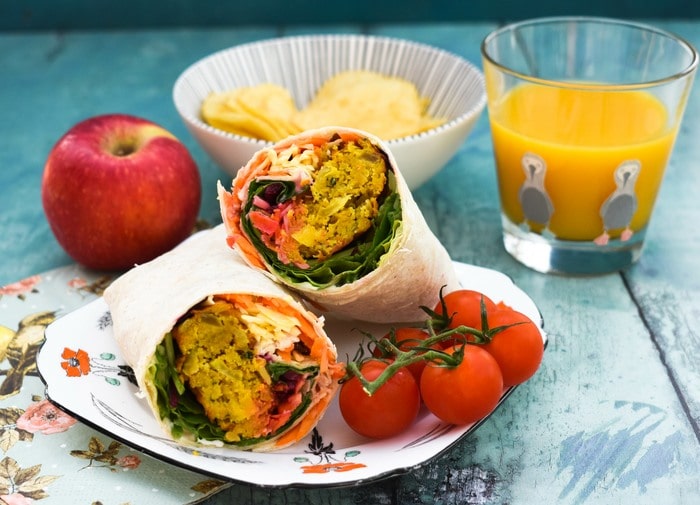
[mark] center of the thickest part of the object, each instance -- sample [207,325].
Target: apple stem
[124,149]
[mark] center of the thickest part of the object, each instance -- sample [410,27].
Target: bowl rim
[467,116]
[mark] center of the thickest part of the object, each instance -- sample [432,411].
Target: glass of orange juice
[584,113]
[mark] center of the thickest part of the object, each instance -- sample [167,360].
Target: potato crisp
[388,107]
[263,112]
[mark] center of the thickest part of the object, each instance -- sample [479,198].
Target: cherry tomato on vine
[406,338]
[518,349]
[464,306]
[464,393]
[389,411]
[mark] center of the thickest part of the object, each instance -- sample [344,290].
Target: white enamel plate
[86,376]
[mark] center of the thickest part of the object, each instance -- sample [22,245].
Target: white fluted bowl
[302,64]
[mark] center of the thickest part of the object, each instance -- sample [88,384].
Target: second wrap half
[328,213]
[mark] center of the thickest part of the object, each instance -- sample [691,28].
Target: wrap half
[222,354]
[328,213]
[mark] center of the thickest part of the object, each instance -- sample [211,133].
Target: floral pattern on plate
[46,452]
[80,347]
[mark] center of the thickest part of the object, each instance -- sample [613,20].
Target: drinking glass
[584,113]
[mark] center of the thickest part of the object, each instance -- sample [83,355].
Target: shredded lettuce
[344,267]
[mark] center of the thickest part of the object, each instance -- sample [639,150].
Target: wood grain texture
[666,282]
[611,417]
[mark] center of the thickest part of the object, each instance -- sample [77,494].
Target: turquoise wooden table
[612,416]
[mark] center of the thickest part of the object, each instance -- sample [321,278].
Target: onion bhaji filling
[219,364]
[338,206]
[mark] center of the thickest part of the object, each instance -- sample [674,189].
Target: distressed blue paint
[618,454]
[638,406]
[653,464]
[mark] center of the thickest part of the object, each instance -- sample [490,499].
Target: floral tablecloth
[47,455]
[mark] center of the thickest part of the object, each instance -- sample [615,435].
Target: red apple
[119,190]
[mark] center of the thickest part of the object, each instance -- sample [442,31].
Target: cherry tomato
[464,306]
[389,411]
[465,393]
[518,349]
[406,338]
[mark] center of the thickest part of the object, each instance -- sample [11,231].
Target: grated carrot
[305,424]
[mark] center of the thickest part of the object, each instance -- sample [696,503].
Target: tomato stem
[425,352]
[438,329]
[402,359]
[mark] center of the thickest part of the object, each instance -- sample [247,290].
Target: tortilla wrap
[271,387]
[383,273]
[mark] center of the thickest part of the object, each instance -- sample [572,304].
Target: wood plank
[666,282]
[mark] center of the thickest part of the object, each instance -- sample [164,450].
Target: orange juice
[557,151]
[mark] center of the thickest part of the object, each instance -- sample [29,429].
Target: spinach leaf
[277,369]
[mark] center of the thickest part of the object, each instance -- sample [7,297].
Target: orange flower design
[327,462]
[77,362]
[342,466]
